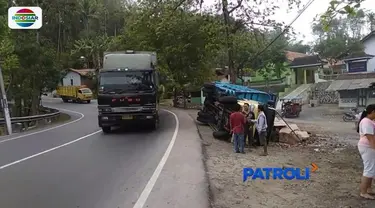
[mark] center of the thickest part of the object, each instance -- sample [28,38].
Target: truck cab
[128,89]
[78,94]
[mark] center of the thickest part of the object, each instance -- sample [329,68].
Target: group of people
[242,121]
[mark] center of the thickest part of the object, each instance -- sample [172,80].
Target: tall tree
[346,7]
[344,36]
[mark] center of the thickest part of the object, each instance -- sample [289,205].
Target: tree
[253,13]
[371,20]
[298,46]
[346,7]
[185,42]
[190,43]
[344,36]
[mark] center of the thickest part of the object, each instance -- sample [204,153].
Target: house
[369,43]
[77,77]
[330,71]
[304,69]
[355,84]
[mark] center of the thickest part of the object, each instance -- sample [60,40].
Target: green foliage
[343,37]
[298,46]
[189,43]
[347,7]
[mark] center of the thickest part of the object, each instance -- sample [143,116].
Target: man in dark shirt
[248,132]
[237,121]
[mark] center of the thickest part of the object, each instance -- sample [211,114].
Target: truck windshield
[126,81]
[86,91]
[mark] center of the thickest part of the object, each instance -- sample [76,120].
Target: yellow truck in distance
[77,94]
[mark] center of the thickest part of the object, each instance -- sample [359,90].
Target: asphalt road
[77,166]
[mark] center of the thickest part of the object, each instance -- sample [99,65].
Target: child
[237,121]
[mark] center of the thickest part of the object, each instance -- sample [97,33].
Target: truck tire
[154,124]
[203,114]
[228,100]
[209,85]
[208,90]
[106,129]
[230,107]
[89,101]
[64,100]
[221,135]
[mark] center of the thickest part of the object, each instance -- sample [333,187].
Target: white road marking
[48,129]
[151,182]
[49,150]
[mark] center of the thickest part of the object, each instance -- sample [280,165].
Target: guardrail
[24,123]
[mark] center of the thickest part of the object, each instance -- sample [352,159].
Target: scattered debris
[291,134]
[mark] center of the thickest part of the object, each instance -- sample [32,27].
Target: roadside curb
[205,157]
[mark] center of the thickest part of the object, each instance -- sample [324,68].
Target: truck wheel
[228,100]
[222,135]
[208,90]
[154,124]
[64,100]
[209,85]
[106,129]
[89,101]
[203,114]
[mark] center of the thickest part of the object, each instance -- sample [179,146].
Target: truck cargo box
[68,91]
[74,93]
[135,60]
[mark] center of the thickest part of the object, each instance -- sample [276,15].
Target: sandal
[367,196]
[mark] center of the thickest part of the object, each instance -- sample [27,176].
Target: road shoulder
[182,182]
[339,164]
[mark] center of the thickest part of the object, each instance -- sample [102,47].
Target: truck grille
[126,109]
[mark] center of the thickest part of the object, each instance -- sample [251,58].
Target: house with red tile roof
[78,77]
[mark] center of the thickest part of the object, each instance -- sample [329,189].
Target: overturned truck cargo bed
[220,100]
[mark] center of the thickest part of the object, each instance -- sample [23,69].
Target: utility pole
[4,104]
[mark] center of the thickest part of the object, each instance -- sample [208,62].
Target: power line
[286,29]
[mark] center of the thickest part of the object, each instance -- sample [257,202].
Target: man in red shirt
[237,121]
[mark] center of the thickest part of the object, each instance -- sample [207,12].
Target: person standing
[249,115]
[261,126]
[366,147]
[237,122]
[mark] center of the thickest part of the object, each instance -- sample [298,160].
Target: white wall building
[369,43]
[78,77]
[363,62]
[72,78]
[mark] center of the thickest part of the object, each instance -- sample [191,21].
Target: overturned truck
[220,100]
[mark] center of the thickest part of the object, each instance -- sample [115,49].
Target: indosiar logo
[25,18]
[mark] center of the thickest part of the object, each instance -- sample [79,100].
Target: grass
[63,117]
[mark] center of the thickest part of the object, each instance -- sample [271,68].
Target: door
[362,98]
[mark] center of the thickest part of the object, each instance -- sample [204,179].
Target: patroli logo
[278,173]
[25,18]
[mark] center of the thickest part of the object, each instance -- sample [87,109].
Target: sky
[302,25]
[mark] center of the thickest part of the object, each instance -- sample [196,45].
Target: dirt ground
[331,147]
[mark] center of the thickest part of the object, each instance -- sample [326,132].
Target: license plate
[127,117]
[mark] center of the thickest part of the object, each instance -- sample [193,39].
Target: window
[129,80]
[371,93]
[348,93]
[85,91]
[71,82]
